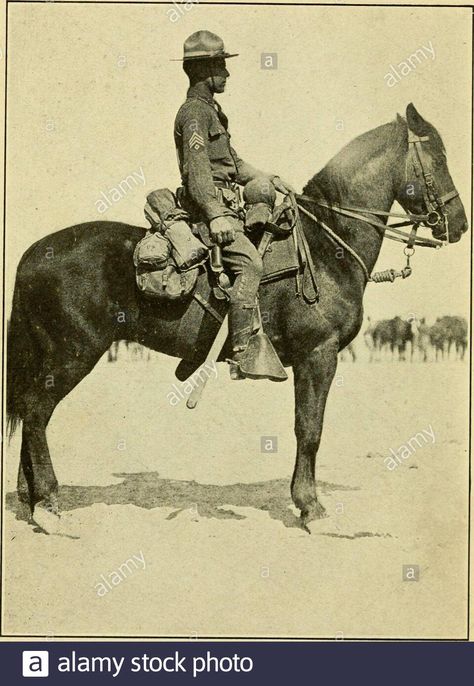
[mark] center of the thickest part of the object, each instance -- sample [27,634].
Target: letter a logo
[35,663]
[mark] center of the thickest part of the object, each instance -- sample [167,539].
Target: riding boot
[242,326]
[253,355]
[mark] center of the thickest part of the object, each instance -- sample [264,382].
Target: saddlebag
[168,257]
[172,222]
[168,283]
[152,252]
[156,274]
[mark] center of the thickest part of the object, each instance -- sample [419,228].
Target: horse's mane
[331,183]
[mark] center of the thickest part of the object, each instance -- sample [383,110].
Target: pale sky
[93,94]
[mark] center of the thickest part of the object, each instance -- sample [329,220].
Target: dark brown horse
[392,334]
[446,333]
[75,294]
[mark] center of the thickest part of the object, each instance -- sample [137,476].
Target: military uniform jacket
[205,155]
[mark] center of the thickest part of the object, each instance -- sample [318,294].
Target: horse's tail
[20,361]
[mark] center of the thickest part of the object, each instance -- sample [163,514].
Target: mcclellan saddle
[178,265]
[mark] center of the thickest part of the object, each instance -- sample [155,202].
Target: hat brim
[194,58]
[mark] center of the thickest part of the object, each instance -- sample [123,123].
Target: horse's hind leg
[36,465]
[313,376]
[36,478]
[22,486]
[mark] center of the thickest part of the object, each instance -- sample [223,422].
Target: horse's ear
[415,121]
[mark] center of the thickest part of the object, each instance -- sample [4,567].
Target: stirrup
[259,360]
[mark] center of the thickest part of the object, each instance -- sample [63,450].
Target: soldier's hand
[222,231]
[282,186]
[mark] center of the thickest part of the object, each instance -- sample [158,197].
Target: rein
[338,239]
[400,236]
[435,213]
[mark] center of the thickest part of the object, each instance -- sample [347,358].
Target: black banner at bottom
[231,663]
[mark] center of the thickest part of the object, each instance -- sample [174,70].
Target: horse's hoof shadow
[149,491]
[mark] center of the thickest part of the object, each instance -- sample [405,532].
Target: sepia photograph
[237,302]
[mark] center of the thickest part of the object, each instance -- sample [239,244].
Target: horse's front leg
[312,376]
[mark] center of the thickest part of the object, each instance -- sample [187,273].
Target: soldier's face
[218,76]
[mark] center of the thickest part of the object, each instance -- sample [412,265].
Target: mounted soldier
[315,308]
[211,171]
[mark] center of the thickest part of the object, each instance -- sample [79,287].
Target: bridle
[435,213]
[435,204]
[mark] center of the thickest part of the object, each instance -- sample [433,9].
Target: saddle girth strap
[310,287]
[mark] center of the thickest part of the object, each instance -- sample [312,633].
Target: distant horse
[112,352]
[438,338]
[449,332]
[420,339]
[368,337]
[134,351]
[64,309]
[381,334]
[457,336]
[348,351]
[391,335]
[401,336]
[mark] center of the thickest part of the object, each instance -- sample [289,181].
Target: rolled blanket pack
[167,218]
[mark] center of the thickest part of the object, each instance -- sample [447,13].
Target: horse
[438,338]
[112,352]
[348,351]
[383,339]
[369,339]
[134,351]
[64,313]
[401,335]
[393,334]
[459,336]
[446,332]
[420,340]
[456,336]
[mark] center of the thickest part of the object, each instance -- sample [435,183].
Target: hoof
[312,514]
[46,516]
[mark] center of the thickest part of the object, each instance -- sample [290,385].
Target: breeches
[243,260]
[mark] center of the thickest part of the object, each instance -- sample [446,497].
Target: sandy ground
[211,516]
